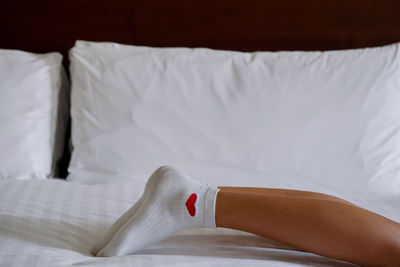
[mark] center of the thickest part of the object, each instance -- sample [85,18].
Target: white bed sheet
[55,223]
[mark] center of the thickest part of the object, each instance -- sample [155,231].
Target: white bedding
[55,223]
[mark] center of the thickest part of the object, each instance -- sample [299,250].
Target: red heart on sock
[190,204]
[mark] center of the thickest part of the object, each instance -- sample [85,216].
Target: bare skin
[313,222]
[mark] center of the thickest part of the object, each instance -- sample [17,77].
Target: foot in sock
[116,226]
[171,202]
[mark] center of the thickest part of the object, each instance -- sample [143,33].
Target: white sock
[170,203]
[115,227]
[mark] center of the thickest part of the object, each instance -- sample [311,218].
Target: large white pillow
[33,94]
[329,119]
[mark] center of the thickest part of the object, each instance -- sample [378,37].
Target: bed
[64,182]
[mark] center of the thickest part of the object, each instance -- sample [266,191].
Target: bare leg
[288,192]
[314,223]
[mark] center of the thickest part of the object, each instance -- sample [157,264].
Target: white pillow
[32,127]
[329,119]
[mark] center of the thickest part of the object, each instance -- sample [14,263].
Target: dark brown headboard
[48,25]
[246,25]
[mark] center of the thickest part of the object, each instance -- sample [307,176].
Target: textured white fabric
[55,223]
[330,119]
[171,202]
[32,118]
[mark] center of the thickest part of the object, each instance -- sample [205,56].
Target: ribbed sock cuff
[210,203]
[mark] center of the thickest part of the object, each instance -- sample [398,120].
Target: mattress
[55,223]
